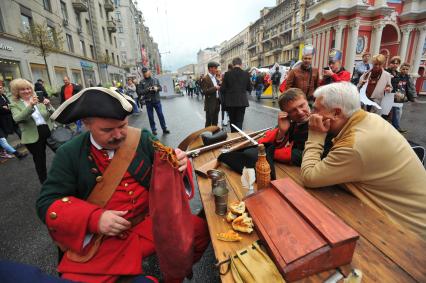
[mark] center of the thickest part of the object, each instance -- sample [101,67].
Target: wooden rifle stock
[213,164]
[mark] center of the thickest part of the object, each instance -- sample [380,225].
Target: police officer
[149,88]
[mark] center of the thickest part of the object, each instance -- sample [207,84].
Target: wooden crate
[302,235]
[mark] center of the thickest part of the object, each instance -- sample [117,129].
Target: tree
[44,40]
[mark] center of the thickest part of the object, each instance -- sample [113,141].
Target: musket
[198,151]
[213,164]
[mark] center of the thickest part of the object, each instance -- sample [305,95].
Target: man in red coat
[123,224]
[335,72]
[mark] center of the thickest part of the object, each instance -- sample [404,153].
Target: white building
[204,57]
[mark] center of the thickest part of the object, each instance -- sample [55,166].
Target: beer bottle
[263,170]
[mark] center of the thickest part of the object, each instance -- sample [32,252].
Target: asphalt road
[23,237]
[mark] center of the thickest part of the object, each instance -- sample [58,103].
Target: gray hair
[342,95]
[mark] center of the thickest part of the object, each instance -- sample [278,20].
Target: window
[110,38]
[100,11]
[88,25]
[64,10]
[118,16]
[92,52]
[117,3]
[83,48]
[103,32]
[115,41]
[60,73]
[69,43]
[47,6]
[39,71]
[118,60]
[120,29]
[26,22]
[76,77]
[52,35]
[78,18]
[113,58]
[124,57]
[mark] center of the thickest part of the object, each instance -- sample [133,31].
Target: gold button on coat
[99,179]
[126,185]
[53,215]
[65,199]
[131,193]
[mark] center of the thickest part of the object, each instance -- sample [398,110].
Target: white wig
[342,95]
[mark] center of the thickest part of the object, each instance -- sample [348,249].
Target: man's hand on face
[112,223]
[182,159]
[283,122]
[316,123]
[328,73]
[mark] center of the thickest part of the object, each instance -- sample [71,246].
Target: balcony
[80,5]
[111,26]
[109,6]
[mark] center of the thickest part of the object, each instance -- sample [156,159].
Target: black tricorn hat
[94,102]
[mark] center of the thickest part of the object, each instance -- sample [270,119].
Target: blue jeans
[150,106]
[396,116]
[259,91]
[6,146]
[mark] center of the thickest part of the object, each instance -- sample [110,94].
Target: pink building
[392,27]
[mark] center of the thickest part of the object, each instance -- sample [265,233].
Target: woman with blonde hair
[378,82]
[33,118]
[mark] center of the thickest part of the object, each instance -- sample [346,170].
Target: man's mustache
[115,141]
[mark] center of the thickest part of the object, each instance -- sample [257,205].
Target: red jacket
[282,151]
[340,76]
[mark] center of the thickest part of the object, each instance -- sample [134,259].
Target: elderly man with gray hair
[367,152]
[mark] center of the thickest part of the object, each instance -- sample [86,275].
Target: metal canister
[220,194]
[216,177]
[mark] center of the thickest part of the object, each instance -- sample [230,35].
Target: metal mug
[217,177]
[220,194]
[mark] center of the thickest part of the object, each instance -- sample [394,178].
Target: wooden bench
[385,252]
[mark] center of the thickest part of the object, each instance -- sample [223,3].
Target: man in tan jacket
[368,152]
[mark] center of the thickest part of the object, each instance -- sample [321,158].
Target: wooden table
[385,251]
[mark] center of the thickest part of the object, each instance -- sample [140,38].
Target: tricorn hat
[94,102]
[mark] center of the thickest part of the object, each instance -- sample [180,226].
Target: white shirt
[213,78]
[95,144]
[36,115]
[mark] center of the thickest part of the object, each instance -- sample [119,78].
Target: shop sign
[86,65]
[5,47]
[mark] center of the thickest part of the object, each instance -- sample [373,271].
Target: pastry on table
[230,236]
[243,223]
[237,207]
[230,217]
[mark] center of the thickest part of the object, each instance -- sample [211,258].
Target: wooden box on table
[302,235]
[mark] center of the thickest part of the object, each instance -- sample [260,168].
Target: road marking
[273,108]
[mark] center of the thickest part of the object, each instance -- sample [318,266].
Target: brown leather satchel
[103,190]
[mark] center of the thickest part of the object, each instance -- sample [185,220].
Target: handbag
[253,265]
[59,135]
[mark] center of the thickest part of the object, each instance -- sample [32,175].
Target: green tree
[44,40]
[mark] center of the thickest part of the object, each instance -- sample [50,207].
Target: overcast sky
[186,26]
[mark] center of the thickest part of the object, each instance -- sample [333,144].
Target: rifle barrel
[222,143]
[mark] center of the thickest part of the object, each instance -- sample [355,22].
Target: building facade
[277,36]
[204,57]
[151,57]
[378,26]
[235,47]
[187,70]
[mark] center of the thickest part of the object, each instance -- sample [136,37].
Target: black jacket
[143,90]
[76,88]
[39,87]
[7,125]
[235,85]
[276,77]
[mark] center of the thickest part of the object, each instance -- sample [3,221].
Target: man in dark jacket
[68,89]
[149,88]
[276,79]
[210,87]
[39,88]
[236,84]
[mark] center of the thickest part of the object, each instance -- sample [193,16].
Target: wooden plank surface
[403,247]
